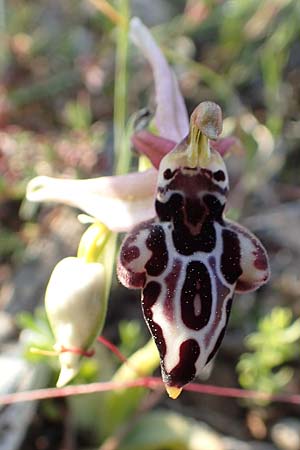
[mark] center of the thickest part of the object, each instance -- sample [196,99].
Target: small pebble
[286,434]
[231,443]
[7,327]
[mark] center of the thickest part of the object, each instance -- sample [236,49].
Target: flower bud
[76,307]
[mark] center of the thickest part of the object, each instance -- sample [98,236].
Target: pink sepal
[154,147]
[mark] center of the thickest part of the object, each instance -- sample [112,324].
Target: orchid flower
[189,260]
[183,253]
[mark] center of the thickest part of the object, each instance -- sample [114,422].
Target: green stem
[3,35]
[122,153]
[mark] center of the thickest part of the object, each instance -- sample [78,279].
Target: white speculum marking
[197,305]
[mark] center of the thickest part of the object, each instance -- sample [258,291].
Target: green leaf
[161,429]
[130,336]
[275,342]
[121,404]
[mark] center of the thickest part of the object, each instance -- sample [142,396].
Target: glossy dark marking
[171,282]
[130,251]
[185,370]
[261,260]
[196,284]
[219,175]
[130,278]
[231,256]
[215,207]
[194,210]
[192,184]
[168,174]
[150,295]
[222,333]
[156,242]
[187,244]
[168,210]
[197,213]
[127,276]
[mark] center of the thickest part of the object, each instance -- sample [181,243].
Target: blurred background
[57,61]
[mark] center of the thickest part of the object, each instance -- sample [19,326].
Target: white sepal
[120,202]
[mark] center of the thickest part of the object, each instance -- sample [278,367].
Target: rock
[209,438]
[166,429]
[17,375]
[231,443]
[286,434]
[7,327]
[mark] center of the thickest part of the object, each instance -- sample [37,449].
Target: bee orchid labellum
[190,260]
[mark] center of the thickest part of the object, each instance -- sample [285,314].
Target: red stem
[77,351]
[113,349]
[148,382]
[117,352]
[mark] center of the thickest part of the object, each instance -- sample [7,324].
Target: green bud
[76,307]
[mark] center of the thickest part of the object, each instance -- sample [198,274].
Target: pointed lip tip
[173,391]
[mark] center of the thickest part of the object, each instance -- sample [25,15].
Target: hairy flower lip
[120,202]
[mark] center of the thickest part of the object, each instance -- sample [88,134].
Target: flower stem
[112,348]
[147,382]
